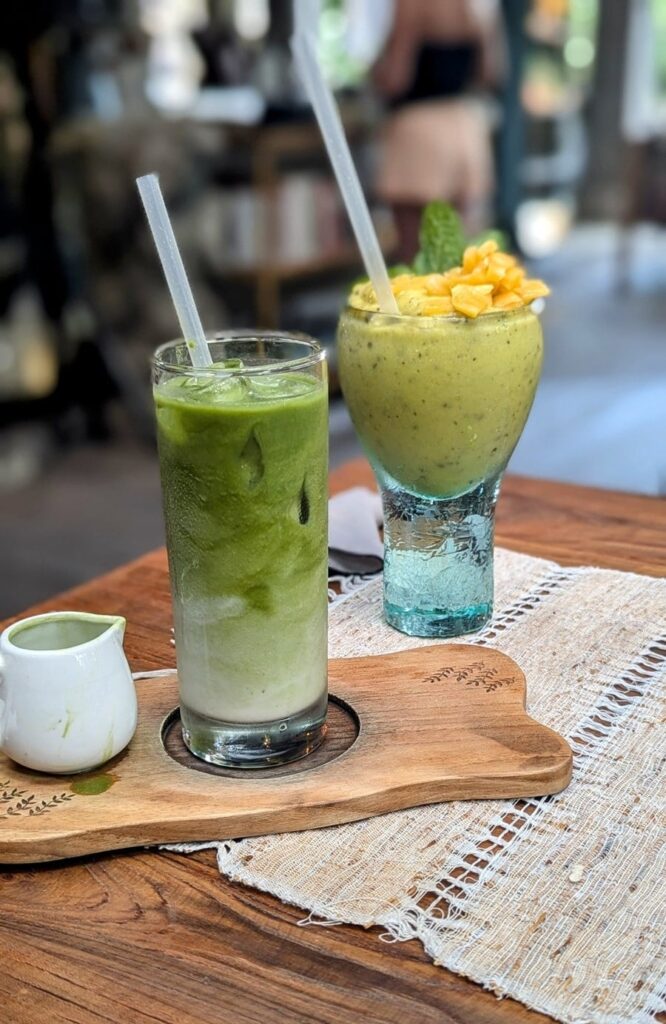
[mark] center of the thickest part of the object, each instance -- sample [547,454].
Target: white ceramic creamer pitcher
[67,698]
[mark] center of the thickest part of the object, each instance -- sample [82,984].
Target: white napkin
[354,544]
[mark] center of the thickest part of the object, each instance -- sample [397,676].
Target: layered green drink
[243,458]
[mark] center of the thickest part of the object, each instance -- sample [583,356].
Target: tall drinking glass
[439,404]
[243,449]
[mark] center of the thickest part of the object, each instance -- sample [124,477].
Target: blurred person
[437,139]
[24,33]
[36,37]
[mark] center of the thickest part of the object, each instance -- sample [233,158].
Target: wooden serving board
[422,726]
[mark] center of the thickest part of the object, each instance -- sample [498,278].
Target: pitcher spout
[118,623]
[101,625]
[109,625]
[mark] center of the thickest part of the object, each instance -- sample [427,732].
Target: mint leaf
[493,234]
[420,266]
[441,238]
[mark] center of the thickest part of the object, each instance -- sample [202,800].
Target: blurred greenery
[340,69]
[659,18]
[581,39]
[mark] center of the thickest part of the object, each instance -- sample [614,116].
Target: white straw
[174,271]
[306,17]
[328,116]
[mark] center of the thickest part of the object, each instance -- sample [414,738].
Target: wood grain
[435,724]
[145,937]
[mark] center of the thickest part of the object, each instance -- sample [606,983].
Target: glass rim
[450,318]
[315,356]
[34,620]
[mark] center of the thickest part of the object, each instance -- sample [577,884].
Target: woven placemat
[557,901]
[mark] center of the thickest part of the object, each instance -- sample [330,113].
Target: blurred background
[546,118]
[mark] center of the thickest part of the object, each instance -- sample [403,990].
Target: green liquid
[59,633]
[439,403]
[244,480]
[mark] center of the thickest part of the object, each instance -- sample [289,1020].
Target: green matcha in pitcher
[243,459]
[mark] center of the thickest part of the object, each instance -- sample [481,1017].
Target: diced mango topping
[487,281]
[472,299]
[437,305]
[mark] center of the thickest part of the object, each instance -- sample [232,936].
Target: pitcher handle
[2,701]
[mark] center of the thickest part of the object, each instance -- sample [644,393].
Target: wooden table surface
[145,937]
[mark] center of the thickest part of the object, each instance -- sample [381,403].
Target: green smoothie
[439,402]
[243,462]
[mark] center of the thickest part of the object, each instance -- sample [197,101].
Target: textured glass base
[439,622]
[438,561]
[257,745]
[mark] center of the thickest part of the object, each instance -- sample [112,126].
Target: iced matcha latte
[439,395]
[243,459]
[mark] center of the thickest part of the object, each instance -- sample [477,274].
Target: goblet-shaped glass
[439,403]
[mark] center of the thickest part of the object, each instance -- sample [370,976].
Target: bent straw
[174,271]
[326,111]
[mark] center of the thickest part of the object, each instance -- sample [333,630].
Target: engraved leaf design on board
[47,805]
[7,794]
[476,674]
[15,802]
